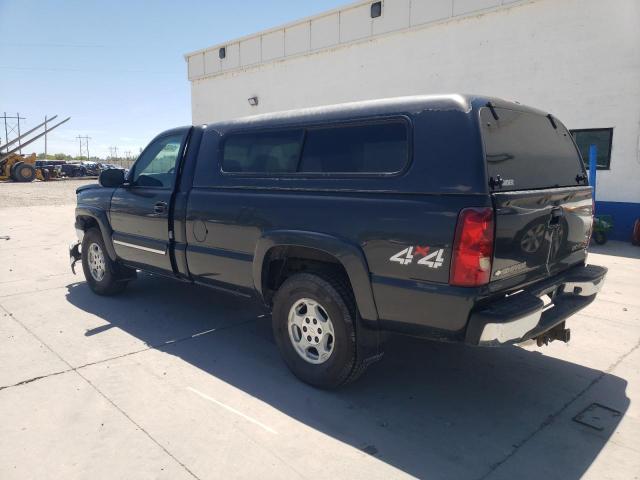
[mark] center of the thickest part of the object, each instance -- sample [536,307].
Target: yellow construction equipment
[22,168]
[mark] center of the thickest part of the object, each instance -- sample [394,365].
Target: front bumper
[524,315]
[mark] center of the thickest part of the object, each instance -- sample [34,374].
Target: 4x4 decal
[407,256]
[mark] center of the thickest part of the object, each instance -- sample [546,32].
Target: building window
[376,9]
[601,138]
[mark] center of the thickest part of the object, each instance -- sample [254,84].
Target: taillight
[472,248]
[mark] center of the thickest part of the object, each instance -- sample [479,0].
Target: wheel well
[85,223]
[283,261]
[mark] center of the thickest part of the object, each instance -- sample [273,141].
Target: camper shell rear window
[527,151]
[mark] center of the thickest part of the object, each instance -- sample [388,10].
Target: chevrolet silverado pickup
[454,218]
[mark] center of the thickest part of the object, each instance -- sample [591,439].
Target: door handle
[160,207]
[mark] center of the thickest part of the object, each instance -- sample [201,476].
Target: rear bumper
[524,316]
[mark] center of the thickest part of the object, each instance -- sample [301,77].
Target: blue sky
[117,67]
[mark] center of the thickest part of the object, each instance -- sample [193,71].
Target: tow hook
[74,255]
[556,333]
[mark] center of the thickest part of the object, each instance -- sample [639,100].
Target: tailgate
[542,202]
[539,233]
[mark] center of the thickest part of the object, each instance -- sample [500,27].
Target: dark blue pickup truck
[454,218]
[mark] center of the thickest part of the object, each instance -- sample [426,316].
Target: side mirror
[112,178]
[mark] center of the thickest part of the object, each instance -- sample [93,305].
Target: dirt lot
[174,381]
[54,192]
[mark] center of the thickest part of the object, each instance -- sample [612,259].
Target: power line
[87,70]
[65,45]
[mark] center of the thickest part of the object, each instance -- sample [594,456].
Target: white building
[578,59]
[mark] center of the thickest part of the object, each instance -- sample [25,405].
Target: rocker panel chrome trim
[139,247]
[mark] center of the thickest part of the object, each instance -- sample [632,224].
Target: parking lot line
[233,410]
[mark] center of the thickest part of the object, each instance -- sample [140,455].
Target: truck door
[140,210]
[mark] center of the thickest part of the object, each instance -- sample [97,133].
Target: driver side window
[157,165]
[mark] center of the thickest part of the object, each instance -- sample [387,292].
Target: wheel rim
[311,331]
[533,239]
[96,262]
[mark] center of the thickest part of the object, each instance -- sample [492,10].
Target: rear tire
[600,238]
[102,274]
[325,354]
[12,171]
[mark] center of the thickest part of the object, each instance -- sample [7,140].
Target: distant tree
[59,156]
[41,156]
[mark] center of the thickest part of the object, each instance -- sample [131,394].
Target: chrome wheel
[96,261]
[311,331]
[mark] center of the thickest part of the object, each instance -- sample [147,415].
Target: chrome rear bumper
[524,315]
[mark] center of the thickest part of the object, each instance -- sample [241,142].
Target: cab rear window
[526,151]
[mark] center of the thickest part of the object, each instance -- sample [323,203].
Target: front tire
[314,325]
[102,274]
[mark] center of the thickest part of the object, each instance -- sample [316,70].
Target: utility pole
[6,134]
[114,152]
[19,142]
[127,159]
[84,145]
[13,127]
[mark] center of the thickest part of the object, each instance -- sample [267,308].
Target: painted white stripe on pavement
[232,410]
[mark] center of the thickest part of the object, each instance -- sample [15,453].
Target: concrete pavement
[174,381]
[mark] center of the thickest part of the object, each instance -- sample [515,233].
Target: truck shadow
[430,410]
[616,249]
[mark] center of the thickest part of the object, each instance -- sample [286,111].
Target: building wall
[578,59]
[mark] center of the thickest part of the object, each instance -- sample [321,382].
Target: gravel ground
[56,192]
